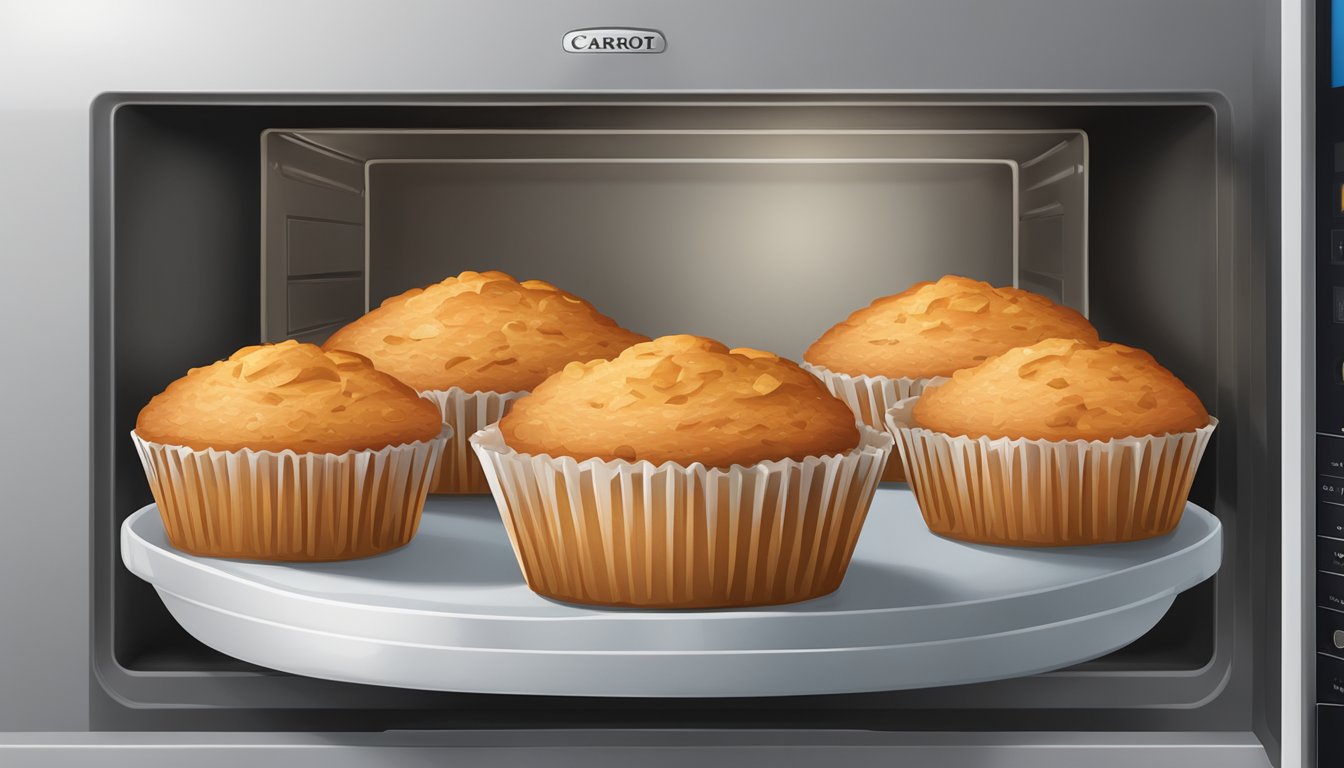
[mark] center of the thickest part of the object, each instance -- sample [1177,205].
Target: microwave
[185,180]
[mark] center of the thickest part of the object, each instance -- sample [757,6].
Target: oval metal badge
[615,40]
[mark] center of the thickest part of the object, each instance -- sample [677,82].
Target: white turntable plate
[450,612]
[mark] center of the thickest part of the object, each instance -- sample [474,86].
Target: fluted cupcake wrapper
[869,397]
[459,470]
[1047,492]
[633,534]
[268,505]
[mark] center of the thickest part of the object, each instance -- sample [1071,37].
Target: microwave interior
[757,221]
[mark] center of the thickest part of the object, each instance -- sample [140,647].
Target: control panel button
[1330,631]
[1329,725]
[1337,246]
[1330,456]
[1330,591]
[1330,520]
[1330,489]
[1329,679]
[1330,555]
[1339,304]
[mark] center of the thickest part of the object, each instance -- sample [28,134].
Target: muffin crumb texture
[934,329]
[683,399]
[482,332]
[294,396]
[1063,389]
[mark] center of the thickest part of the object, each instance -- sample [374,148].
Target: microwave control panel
[1329,475]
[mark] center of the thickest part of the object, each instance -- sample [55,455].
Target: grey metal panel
[582,748]
[792,130]
[44,246]
[319,247]
[322,302]
[1287,714]
[960,45]
[1290,719]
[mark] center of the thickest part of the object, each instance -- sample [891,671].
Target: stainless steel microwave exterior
[132,139]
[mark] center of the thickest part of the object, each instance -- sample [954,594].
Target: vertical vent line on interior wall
[368,261]
[1015,169]
[264,266]
[1084,256]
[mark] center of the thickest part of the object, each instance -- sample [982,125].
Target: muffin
[894,347]
[475,342]
[682,474]
[287,452]
[1063,442]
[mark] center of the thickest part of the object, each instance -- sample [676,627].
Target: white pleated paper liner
[621,533]
[268,505]
[869,397]
[1047,492]
[459,470]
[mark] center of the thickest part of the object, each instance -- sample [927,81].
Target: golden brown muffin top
[482,332]
[292,396]
[1062,389]
[933,329]
[684,399]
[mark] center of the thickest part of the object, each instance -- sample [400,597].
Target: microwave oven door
[184,180]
